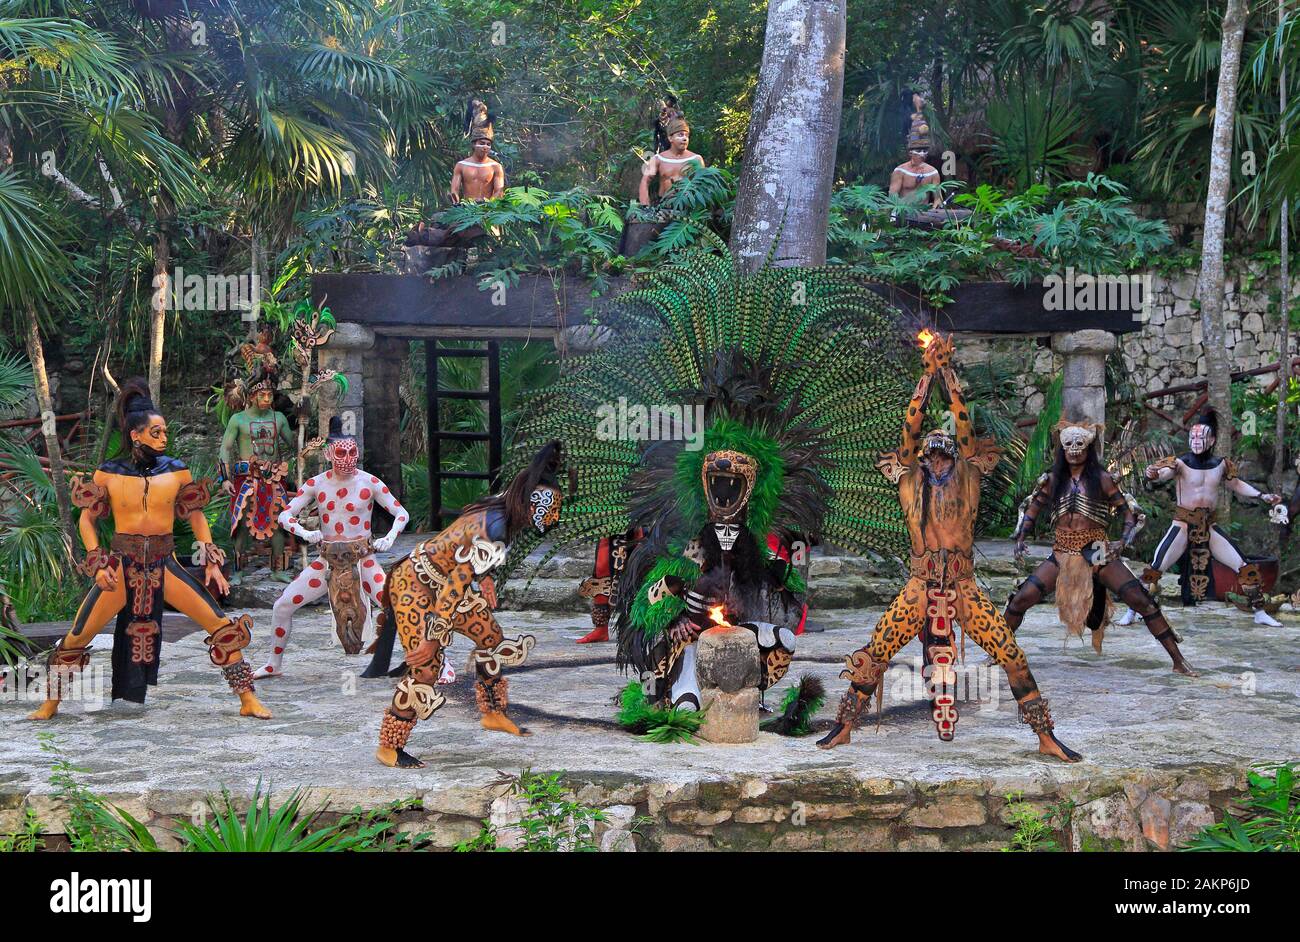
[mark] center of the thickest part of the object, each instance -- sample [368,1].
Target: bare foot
[46,711]
[501,723]
[1049,745]
[251,706]
[1182,667]
[838,736]
[397,758]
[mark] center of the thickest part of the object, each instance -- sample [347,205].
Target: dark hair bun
[134,403]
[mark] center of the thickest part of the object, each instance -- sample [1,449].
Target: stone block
[727,659]
[957,811]
[1186,821]
[1084,341]
[729,717]
[466,802]
[1106,824]
[617,840]
[620,816]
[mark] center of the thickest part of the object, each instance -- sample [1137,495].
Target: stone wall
[1119,811]
[1167,351]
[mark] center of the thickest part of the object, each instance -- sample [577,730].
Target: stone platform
[1163,753]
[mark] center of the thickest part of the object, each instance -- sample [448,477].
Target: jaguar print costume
[938,478]
[447,585]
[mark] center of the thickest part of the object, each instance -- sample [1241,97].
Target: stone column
[1083,390]
[345,352]
[382,375]
[727,669]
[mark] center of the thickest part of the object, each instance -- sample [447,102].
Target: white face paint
[727,534]
[343,455]
[545,503]
[1200,438]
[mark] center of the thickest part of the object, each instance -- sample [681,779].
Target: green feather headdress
[805,369]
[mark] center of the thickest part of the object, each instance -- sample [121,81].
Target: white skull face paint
[727,533]
[1075,440]
[343,455]
[1200,438]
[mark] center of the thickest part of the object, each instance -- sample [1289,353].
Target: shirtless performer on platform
[669,165]
[909,177]
[475,179]
[1198,475]
[478,177]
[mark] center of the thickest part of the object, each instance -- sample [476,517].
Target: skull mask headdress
[1075,441]
[728,483]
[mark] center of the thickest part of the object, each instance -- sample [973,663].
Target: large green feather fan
[804,368]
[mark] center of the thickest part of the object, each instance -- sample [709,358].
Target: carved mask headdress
[918,133]
[478,122]
[1076,438]
[728,477]
[1201,436]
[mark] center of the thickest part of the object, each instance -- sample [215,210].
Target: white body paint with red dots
[344,503]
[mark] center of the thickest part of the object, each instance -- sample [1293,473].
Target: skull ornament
[727,533]
[728,478]
[1075,441]
[545,502]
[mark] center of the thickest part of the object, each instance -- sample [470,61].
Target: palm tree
[70,105]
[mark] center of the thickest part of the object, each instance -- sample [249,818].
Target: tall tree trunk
[62,497]
[1209,287]
[1284,303]
[175,114]
[162,283]
[794,127]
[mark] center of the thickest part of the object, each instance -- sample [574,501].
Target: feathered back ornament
[804,369]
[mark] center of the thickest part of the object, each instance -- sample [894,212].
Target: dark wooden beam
[415,306]
[995,307]
[451,306]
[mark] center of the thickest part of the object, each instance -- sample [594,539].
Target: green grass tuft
[656,724]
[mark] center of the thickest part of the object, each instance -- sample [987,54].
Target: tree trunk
[62,497]
[1284,375]
[1209,287]
[162,284]
[794,127]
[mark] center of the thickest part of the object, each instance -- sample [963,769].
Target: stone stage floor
[1162,753]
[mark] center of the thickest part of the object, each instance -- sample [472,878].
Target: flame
[717,613]
[925,337]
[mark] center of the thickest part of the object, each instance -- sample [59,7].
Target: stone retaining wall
[1137,810]
[1167,351]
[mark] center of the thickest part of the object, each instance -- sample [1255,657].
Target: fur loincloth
[1077,588]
